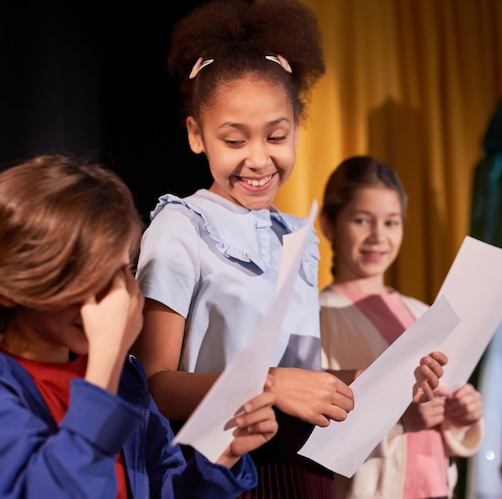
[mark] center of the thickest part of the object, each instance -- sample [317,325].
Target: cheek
[344,246]
[289,158]
[284,174]
[223,162]
[398,239]
[348,238]
[73,314]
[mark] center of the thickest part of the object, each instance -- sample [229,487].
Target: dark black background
[93,81]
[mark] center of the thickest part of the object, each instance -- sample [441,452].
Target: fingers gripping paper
[460,323]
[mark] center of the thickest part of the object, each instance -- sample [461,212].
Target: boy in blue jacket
[76,417]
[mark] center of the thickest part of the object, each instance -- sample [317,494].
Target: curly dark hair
[238,34]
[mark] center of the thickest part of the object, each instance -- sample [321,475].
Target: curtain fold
[414,83]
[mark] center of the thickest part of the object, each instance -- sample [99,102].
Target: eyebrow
[366,212]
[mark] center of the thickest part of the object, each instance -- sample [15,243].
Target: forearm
[104,369]
[178,393]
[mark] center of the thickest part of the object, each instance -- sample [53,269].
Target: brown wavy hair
[62,224]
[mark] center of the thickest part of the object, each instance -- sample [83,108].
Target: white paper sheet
[209,429]
[473,288]
[381,393]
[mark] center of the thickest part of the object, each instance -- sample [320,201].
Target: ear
[6,302]
[297,134]
[194,135]
[326,227]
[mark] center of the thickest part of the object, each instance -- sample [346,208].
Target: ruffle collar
[251,243]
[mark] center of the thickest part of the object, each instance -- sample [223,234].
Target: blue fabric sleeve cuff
[100,417]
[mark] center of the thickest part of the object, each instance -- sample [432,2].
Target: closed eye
[234,143]
[281,138]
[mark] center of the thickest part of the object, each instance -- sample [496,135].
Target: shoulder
[174,221]
[203,211]
[16,383]
[172,207]
[330,297]
[12,372]
[416,306]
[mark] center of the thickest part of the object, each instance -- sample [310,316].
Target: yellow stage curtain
[414,83]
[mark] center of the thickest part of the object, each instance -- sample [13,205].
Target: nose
[377,230]
[257,156]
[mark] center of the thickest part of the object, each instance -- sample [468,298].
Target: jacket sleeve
[170,475]
[73,459]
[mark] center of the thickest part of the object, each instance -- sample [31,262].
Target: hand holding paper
[382,393]
[460,323]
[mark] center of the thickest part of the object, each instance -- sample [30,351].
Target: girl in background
[362,216]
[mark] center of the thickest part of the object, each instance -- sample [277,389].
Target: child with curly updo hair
[209,262]
[242,37]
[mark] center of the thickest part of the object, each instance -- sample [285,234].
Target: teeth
[256,183]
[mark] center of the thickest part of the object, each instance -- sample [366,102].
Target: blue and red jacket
[39,458]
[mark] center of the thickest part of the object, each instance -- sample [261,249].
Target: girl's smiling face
[248,134]
[367,235]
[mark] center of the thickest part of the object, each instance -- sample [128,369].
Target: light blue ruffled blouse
[216,264]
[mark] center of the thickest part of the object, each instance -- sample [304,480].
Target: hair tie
[200,64]
[281,61]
